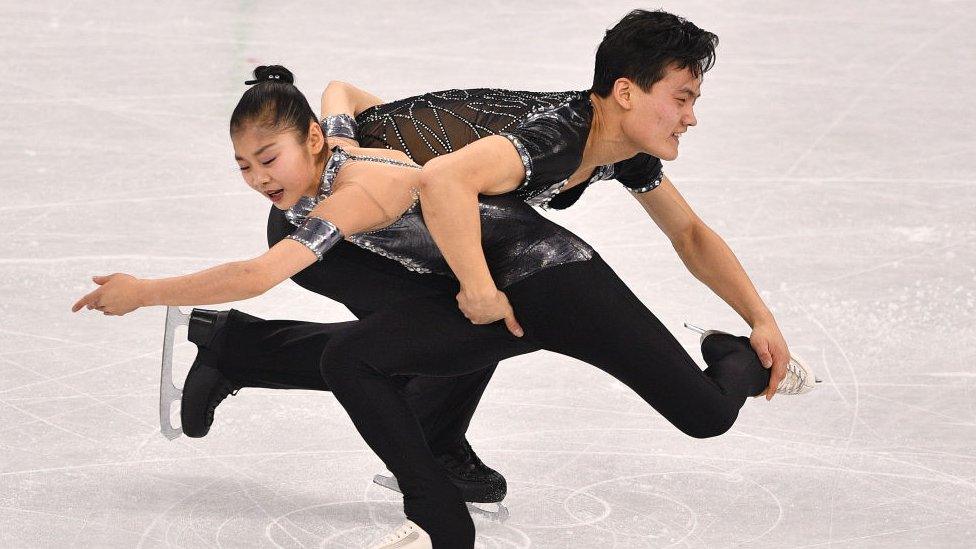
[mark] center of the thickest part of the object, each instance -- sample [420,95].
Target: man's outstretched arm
[449,189]
[712,262]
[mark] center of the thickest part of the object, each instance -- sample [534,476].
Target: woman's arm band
[340,125]
[318,234]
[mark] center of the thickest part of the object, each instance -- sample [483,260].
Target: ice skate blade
[492,512]
[168,392]
[388,482]
[694,328]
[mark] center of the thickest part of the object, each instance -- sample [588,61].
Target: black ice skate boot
[478,482]
[206,386]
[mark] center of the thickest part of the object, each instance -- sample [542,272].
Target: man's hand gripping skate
[769,344]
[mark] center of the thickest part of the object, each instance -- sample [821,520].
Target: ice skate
[406,536]
[799,377]
[478,482]
[205,386]
[493,512]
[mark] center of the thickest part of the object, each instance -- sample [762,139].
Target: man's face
[657,118]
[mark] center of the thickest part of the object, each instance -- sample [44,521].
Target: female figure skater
[568,301]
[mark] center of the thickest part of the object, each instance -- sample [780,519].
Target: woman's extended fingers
[90,300]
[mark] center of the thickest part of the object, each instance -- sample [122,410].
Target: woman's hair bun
[272,73]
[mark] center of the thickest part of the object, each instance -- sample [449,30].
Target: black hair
[273,102]
[645,43]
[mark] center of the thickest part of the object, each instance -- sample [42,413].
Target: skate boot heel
[204,325]
[704,333]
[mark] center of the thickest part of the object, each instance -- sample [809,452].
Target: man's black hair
[645,43]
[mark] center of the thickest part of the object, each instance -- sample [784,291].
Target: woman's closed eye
[268,163]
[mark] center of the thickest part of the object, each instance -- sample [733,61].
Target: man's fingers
[513,325]
[775,377]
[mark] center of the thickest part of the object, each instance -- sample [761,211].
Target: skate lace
[225,389]
[794,381]
[462,459]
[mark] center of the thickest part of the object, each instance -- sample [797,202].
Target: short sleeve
[550,144]
[639,174]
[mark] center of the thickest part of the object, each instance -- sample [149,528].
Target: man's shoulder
[518,104]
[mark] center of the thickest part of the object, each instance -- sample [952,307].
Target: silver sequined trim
[339,125]
[409,263]
[543,199]
[524,155]
[297,214]
[650,186]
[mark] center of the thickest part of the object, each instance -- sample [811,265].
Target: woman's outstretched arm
[359,204]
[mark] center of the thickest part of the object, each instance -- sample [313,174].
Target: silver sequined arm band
[653,184]
[318,234]
[340,125]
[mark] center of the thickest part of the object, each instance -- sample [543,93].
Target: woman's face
[277,165]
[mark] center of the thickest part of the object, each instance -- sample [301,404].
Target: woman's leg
[286,354]
[594,317]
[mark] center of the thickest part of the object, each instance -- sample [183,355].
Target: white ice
[834,153]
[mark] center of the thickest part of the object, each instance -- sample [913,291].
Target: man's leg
[413,338]
[606,325]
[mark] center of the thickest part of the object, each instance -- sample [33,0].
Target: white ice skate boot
[799,377]
[407,536]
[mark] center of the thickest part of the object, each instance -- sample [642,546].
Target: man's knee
[712,428]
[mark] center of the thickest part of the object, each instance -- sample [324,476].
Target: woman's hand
[117,294]
[487,307]
[768,342]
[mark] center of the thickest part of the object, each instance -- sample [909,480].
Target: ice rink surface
[834,153]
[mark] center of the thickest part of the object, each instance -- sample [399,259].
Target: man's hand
[117,294]
[768,342]
[487,307]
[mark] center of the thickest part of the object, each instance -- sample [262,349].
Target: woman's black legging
[582,310]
